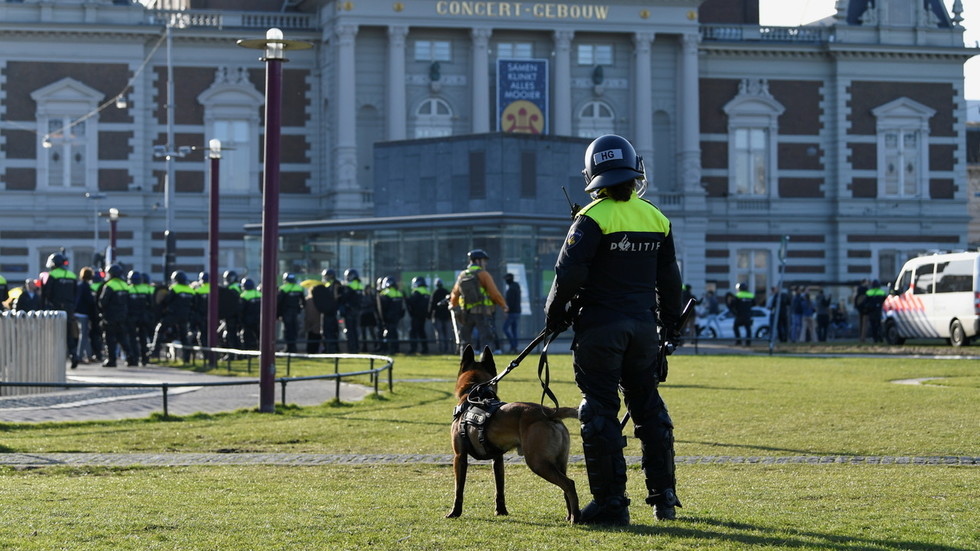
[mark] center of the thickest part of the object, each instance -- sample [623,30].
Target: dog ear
[467,357]
[486,360]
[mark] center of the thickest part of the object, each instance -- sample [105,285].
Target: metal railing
[372,371]
[33,348]
[765,33]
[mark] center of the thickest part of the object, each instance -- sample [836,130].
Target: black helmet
[741,286]
[387,282]
[56,260]
[288,277]
[202,277]
[179,277]
[438,282]
[350,274]
[248,284]
[328,275]
[610,160]
[145,279]
[230,277]
[134,277]
[477,254]
[115,270]
[418,282]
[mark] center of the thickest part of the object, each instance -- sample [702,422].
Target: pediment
[903,108]
[67,90]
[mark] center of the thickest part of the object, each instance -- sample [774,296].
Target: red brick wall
[20,144]
[714,155]
[715,93]
[20,179]
[796,156]
[795,188]
[801,98]
[114,145]
[866,96]
[864,156]
[114,179]
[941,156]
[26,77]
[864,188]
[941,188]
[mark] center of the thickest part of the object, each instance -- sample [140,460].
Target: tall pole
[274,46]
[168,183]
[113,227]
[215,149]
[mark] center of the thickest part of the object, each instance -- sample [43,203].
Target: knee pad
[599,425]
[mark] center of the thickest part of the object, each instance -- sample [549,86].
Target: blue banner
[522,96]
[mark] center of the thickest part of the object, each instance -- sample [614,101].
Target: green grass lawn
[721,405]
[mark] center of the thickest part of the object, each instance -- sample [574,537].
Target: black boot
[603,443]
[664,503]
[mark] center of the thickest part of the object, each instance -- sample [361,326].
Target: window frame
[594,57]
[432,50]
[754,108]
[433,125]
[904,117]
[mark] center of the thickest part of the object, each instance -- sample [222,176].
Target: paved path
[301,459]
[88,404]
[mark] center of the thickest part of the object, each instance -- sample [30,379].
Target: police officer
[199,312]
[59,291]
[742,310]
[251,314]
[231,281]
[391,310]
[326,298]
[875,300]
[351,299]
[615,273]
[418,311]
[289,305]
[113,301]
[472,300]
[140,317]
[439,315]
[176,307]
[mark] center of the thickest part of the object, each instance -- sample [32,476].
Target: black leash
[477,389]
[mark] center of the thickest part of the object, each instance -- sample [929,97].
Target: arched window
[433,119]
[595,118]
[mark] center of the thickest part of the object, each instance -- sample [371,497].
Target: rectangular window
[751,161]
[529,174]
[432,50]
[478,175]
[234,174]
[925,279]
[595,54]
[66,152]
[515,50]
[752,267]
[954,277]
[901,167]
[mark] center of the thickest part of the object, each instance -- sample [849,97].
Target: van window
[955,276]
[904,281]
[925,279]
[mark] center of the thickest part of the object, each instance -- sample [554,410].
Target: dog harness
[474,413]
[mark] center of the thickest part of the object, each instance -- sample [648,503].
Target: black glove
[672,338]
[558,320]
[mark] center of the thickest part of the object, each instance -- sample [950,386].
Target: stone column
[395,108]
[643,98]
[690,126]
[347,199]
[561,112]
[481,80]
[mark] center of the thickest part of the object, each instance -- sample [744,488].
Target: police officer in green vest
[4,291]
[875,300]
[616,274]
[742,309]
[289,305]
[251,314]
[113,301]
[351,303]
[59,291]
[418,312]
[176,307]
[391,310]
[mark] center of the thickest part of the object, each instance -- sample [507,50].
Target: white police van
[935,296]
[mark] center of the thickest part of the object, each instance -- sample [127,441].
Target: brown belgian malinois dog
[487,429]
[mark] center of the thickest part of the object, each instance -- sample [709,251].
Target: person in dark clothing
[176,307]
[326,298]
[418,312]
[440,317]
[822,306]
[289,305]
[875,300]
[391,310]
[140,316]
[29,299]
[113,301]
[616,277]
[251,314]
[742,310]
[512,295]
[59,291]
[89,337]
[351,301]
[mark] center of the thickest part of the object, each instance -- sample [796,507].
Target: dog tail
[565,413]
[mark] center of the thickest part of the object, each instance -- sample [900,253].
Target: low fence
[373,371]
[33,349]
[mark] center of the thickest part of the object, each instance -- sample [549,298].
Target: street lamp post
[95,198]
[215,156]
[274,46]
[113,227]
